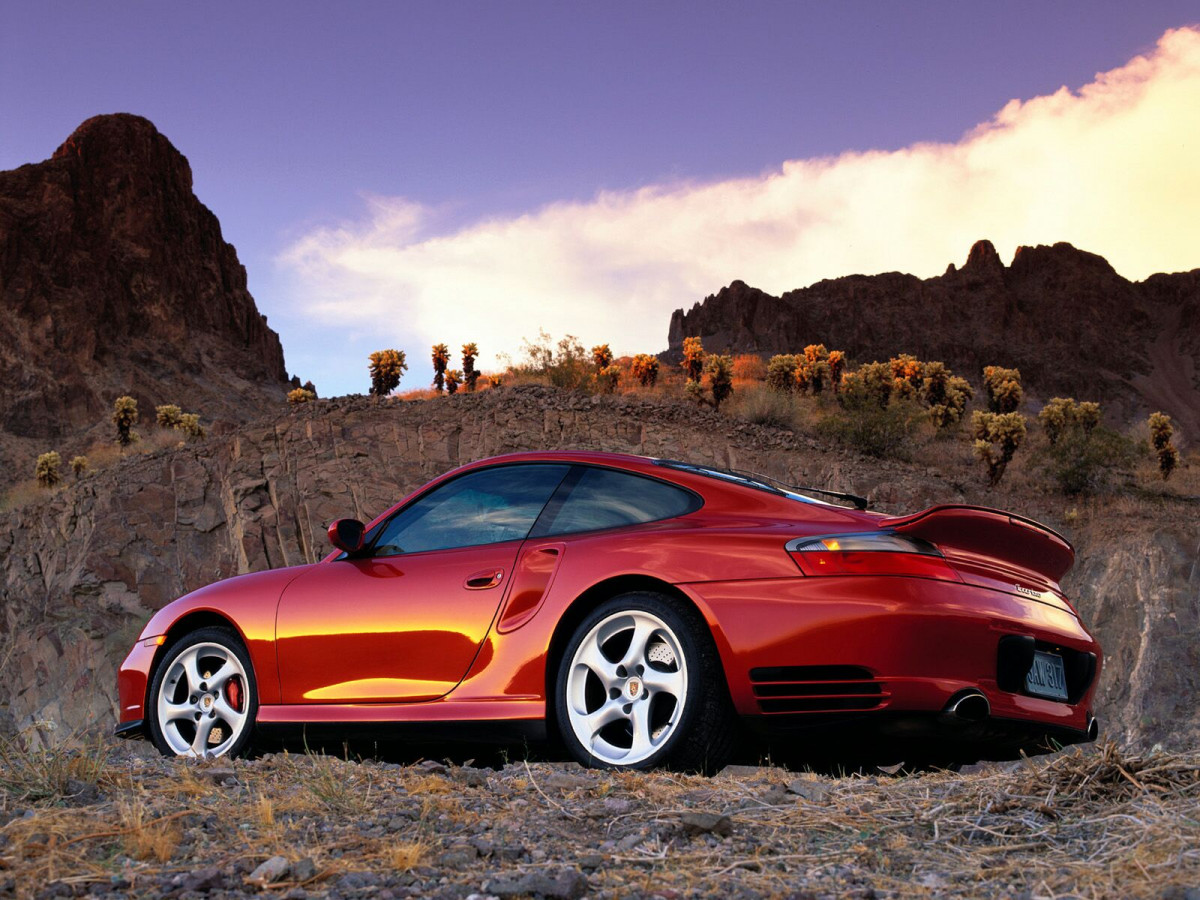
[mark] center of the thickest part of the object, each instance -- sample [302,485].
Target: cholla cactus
[453,380]
[1004,391]
[1161,432]
[189,424]
[80,466]
[645,369]
[694,391]
[167,415]
[602,356]
[608,378]
[1062,413]
[386,367]
[907,375]
[997,437]
[311,388]
[812,370]
[837,365]
[720,377]
[946,394]
[470,373]
[125,416]
[693,358]
[441,359]
[871,382]
[301,395]
[46,471]
[781,372]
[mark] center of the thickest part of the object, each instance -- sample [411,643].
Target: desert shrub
[79,465]
[1062,413]
[1161,432]
[311,388]
[125,416]
[837,365]
[441,359]
[645,369]
[386,368]
[46,470]
[764,406]
[602,356]
[694,391]
[300,395]
[946,394]
[997,437]
[693,358]
[719,368]
[749,367]
[608,378]
[565,364]
[189,424]
[470,374]
[812,369]
[781,372]
[862,423]
[167,415]
[1083,455]
[869,383]
[453,380]
[1004,391]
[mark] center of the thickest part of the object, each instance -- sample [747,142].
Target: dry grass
[145,838]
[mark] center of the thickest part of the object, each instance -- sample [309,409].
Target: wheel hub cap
[633,688]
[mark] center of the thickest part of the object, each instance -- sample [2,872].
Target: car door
[403,620]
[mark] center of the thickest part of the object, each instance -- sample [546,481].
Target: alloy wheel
[202,701]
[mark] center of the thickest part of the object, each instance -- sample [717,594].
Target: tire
[640,685]
[204,682]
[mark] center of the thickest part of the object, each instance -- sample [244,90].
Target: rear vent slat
[800,689]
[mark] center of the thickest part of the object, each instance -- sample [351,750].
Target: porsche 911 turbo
[645,612]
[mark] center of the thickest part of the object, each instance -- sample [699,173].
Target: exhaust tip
[972,706]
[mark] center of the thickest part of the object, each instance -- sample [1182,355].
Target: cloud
[1110,168]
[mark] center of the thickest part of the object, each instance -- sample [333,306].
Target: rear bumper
[893,651]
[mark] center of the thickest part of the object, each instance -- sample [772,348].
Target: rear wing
[990,534]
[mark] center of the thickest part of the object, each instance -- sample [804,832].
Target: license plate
[1047,677]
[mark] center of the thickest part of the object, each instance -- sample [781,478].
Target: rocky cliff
[82,570]
[1065,318]
[115,279]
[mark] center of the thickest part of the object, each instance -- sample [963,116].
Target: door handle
[481,581]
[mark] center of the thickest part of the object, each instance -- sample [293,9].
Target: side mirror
[347,535]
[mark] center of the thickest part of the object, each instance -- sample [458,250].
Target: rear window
[606,498]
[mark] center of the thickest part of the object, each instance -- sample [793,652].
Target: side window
[605,498]
[484,507]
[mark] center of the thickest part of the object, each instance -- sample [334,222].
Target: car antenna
[859,502]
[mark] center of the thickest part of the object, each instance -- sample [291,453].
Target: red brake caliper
[233,692]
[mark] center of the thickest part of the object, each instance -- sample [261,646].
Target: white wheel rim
[204,689]
[623,710]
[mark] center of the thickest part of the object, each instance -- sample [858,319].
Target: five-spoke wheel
[639,685]
[202,700]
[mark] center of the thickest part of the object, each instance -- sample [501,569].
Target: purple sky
[289,112]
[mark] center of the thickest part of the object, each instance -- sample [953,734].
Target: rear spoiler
[992,534]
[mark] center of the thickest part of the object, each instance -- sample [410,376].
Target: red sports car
[641,610]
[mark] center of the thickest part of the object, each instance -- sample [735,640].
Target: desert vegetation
[1161,432]
[386,368]
[125,416]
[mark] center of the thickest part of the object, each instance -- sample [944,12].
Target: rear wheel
[203,698]
[640,685]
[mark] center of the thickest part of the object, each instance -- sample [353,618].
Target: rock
[458,857]
[590,861]
[741,772]
[616,805]
[81,793]
[704,823]
[204,880]
[433,767]
[107,241]
[564,782]
[566,884]
[812,791]
[303,870]
[274,869]
[471,777]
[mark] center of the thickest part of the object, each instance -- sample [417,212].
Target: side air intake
[803,689]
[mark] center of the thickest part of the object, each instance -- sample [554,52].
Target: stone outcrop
[1064,317]
[115,279]
[82,570]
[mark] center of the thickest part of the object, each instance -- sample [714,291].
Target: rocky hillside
[114,279]
[1064,317]
[81,570]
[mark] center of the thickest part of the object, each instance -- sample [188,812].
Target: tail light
[870,553]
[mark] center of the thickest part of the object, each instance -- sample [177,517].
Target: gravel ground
[114,820]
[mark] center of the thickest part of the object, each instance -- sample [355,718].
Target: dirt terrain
[1090,823]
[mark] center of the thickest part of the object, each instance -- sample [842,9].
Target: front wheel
[641,685]
[203,698]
